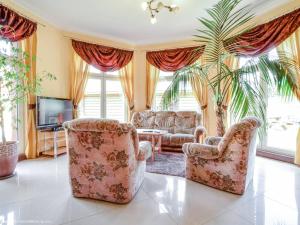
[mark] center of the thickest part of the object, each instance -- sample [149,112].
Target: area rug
[167,163]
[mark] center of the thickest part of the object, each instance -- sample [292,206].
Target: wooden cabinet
[51,143]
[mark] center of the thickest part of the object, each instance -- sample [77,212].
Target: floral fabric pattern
[225,163]
[105,159]
[182,126]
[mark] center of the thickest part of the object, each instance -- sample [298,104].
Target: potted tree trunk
[14,88]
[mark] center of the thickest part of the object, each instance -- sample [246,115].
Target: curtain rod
[94,43]
[23,15]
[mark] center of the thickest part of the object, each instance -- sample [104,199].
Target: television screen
[52,112]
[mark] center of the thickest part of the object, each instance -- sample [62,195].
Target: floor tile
[229,219]
[264,211]
[189,202]
[54,209]
[143,212]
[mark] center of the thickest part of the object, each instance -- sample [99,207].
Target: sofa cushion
[166,139]
[165,121]
[185,122]
[177,139]
[145,119]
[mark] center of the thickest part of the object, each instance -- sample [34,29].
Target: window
[103,97]
[283,118]
[9,116]
[186,101]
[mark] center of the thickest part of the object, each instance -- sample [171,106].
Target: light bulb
[153,20]
[174,8]
[160,5]
[144,6]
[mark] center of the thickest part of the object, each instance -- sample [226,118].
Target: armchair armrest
[145,150]
[212,140]
[203,151]
[199,131]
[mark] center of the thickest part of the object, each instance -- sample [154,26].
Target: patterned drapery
[264,37]
[102,57]
[14,27]
[172,60]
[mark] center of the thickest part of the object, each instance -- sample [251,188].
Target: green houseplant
[14,88]
[225,20]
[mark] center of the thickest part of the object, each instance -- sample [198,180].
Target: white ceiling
[125,21]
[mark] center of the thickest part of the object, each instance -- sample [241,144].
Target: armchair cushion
[145,150]
[202,151]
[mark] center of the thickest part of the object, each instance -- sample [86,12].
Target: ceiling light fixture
[155,9]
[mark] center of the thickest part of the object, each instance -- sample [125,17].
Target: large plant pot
[8,159]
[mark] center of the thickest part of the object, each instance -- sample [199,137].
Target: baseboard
[22,157]
[275,156]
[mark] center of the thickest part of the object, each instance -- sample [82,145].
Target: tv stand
[52,142]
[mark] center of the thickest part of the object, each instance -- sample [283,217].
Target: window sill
[276,156]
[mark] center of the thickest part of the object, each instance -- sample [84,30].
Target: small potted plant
[14,88]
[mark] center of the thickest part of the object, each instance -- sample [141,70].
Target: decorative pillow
[165,121]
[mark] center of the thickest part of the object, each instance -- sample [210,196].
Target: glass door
[283,121]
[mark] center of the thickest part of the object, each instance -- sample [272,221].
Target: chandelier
[154,8]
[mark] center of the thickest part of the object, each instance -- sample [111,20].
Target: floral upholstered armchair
[226,163]
[106,160]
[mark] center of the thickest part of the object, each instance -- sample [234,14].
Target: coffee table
[153,134]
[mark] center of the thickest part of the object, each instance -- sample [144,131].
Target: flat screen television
[53,112]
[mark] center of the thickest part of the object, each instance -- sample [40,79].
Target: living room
[186,112]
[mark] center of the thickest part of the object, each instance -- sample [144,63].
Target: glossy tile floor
[40,194]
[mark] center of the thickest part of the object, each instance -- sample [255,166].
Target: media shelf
[51,142]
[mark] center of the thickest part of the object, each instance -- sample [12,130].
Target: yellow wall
[53,56]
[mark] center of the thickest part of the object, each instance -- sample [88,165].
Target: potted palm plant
[247,90]
[14,87]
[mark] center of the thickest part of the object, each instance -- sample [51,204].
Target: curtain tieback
[148,107]
[31,106]
[131,107]
[75,107]
[203,107]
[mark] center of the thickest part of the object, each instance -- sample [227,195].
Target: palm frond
[252,81]
[223,20]
[183,76]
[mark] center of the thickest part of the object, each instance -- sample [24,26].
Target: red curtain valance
[13,26]
[264,37]
[102,57]
[174,59]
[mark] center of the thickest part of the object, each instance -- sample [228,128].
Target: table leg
[159,143]
[153,147]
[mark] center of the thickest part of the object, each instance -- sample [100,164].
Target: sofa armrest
[199,131]
[135,119]
[212,140]
[145,150]
[201,150]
